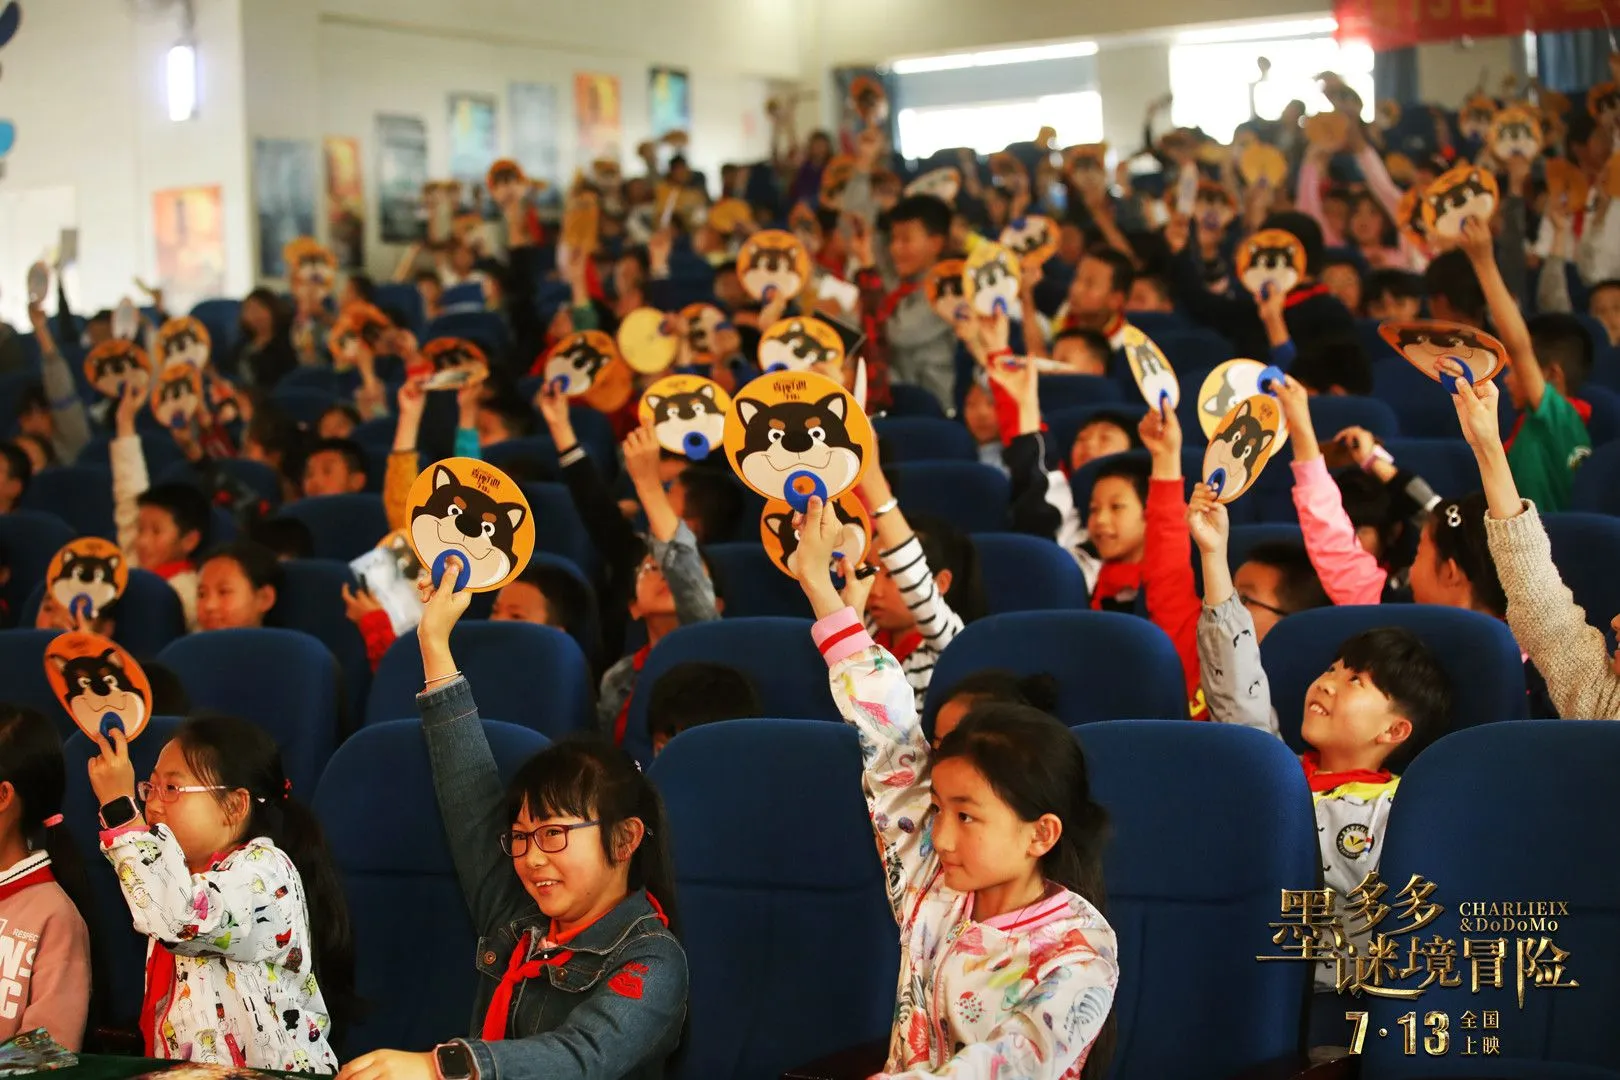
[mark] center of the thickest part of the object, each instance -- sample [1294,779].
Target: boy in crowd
[334,467]
[15,472]
[1395,295]
[1382,700]
[905,338]
[159,528]
[1097,298]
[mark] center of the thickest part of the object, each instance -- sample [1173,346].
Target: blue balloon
[10,20]
[8,137]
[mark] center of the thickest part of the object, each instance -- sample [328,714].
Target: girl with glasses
[569,885]
[221,869]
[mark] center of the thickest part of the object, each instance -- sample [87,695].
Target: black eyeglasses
[1251,602]
[551,838]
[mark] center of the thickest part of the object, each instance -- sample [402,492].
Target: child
[1350,572]
[1384,698]
[16,470]
[568,870]
[992,855]
[404,464]
[1551,438]
[334,467]
[1603,304]
[695,693]
[43,888]
[1080,350]
[672,585]
[1105,433]
[58,415]
[1342,276]
[992,686]
[1277,580]
[979,417]
[1583,681]
[1117,527]
[1393,295]
[159,528]
[905,337]
[53,616]
[917,610]
[222,872]
[338,422]
[708,499]
[1097,296]
[237,586]
[1166,562]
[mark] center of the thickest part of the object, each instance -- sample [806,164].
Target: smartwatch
[454,1061]
[120,811]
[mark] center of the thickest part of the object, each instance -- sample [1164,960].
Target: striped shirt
[937,624]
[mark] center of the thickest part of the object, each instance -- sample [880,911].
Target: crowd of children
[990,841]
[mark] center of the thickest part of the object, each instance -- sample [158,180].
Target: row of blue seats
[1107,666]
[793,951]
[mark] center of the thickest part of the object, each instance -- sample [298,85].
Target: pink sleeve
[1349,574]
[1378,181]
[1308,197]
[840,636]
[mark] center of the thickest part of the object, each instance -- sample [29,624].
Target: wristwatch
[454,1061]
[118,812]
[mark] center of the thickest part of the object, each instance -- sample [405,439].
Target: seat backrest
[1420,404]
[1331,414]
[973,497]
[311,601]
[777,655]
[922,438]
[1246,537]
[1108,666]
[791,945]
[422,995]
[1583,549]
[284,681]
[1447,464]
[914,401]
[343,527]
[1499,815]
[1604,423]
[1028,573]
[754,585]
[303,403]
[403,297]
[30,540]
[1073,391]
[1173,895]
[534,676]
[22,673]
[1597,482]
[147,618]
[80,495]
[1478,653]
[159,450]
[557,525]
[118,946]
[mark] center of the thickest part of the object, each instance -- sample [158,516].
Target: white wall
[1448,72]
[87,94]
[1130,77]
[366,69]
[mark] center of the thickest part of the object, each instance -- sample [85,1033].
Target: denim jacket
[615,1009]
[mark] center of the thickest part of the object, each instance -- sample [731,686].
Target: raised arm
[468,786]
[1505,314]
[1349,573]
[72,422]
[1167,577]
[1548,624]
[1235,685]
[673,544]
[874,697]
[903,557]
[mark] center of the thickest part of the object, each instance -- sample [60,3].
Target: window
[989,127]
[1210,79]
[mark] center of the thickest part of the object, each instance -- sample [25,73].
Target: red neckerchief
[519,969]
[893,300]
[1113,579]
[1583,409]
[33,877]
[159,996]
[1304,293]
[172,569]
[637,662]
[1320,781]
[899,647]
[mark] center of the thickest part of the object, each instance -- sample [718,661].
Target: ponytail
[1035,765]
[238,755]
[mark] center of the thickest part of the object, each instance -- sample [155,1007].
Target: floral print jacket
[1023,994]
[243,992]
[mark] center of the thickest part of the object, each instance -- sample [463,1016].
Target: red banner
[1395,24]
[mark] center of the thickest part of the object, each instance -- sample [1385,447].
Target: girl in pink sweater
[44,944]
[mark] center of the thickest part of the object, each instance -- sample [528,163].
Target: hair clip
[1453,515]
